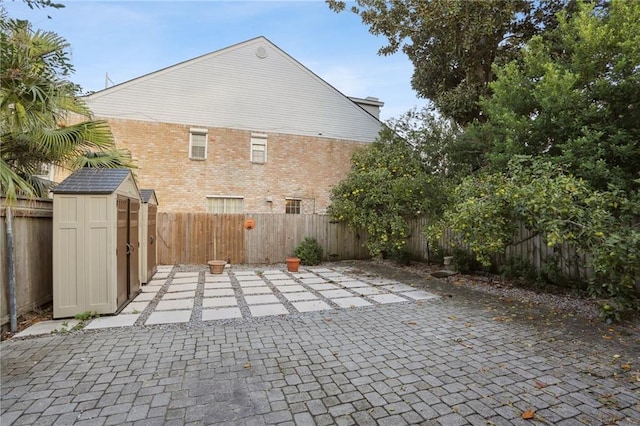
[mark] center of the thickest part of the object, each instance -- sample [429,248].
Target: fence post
[13,314]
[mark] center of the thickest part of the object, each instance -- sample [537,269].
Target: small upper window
[258,148]
[292,206]
[198,144]
[45,171]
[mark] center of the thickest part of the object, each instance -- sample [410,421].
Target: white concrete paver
[218,285]
[351,302]
[122,320]
[186,274]
[352,284]
[261,299]
[151,288]
[182,287]
[387,298]
[319,287]
[221,313]
[179,295]
[309,306]
[169,317]
[257,290]
[333,294]
[366,291]
[47,327]
[252,283]
[172,305]
[217,279]
[314,280]
[213,302]
[135,307]
[267,310]
[290,288]
[219,292]
[294,297]
[144,297]
[397,288]
[419,295]
[185,280]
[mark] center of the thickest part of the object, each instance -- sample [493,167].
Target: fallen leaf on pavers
[528,415]
[328,319]
[500,318]
[411,323]
[538,384]
[625,367]
[468,324]
[335,354]
[453,317]
[607,337]
[247,365]
[616,356]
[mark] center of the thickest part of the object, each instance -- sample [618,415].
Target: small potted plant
[293,263]
[216,266]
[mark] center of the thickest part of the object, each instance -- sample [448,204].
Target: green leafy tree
[36,97]
[387,186]
[573,98]
[454,43]
[550,202]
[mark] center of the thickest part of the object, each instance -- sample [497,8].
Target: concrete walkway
[430,361]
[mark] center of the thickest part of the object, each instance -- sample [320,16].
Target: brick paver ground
[424,362]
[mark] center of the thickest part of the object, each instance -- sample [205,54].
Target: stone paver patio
[391,362]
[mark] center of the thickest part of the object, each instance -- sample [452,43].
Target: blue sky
[132,38]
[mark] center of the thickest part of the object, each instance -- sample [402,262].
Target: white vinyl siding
[235,88]
[225,204]
[258,148]
[198,144]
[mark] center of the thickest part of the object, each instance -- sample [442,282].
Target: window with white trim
[45,171]
[258,148]
[225,204]
[198,144]
[292,205]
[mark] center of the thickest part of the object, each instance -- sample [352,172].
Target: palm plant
[36,98]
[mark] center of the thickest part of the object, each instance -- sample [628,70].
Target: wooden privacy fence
[195,238]
[33,241]
[563,258]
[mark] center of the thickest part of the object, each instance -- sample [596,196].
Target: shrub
[465,262]
[518,267]
[309,251]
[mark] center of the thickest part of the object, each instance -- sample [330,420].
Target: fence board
[195,238]
[33,243]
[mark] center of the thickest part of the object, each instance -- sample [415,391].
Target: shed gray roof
[146,194]
[92,181]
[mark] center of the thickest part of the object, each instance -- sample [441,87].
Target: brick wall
[297,166]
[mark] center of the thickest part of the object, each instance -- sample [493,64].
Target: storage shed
[95,242]
[148,234]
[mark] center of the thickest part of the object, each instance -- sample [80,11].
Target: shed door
[134,246]
[121,250]
[151,240]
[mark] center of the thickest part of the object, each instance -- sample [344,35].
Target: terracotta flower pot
[216,266]
[292,264]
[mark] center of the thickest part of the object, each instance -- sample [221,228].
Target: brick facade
[300,167]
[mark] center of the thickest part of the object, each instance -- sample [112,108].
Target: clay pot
[216,266]
[292,264]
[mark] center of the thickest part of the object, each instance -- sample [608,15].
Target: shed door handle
[129,249]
